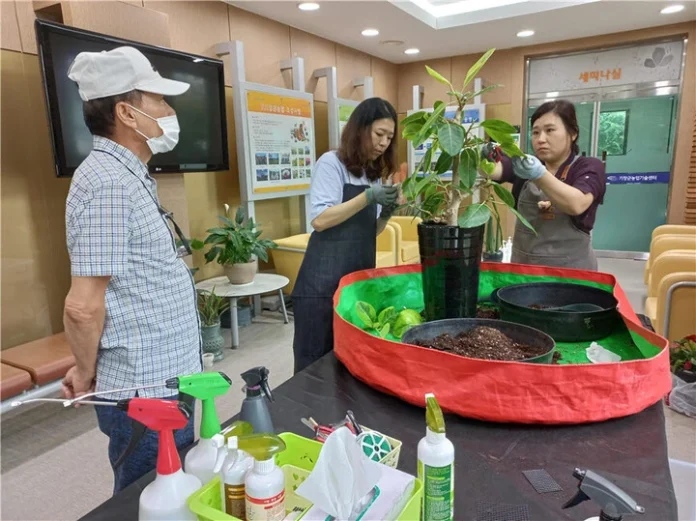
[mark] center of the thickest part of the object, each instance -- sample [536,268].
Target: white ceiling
[466,26]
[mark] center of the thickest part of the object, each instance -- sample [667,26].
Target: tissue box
[396,490]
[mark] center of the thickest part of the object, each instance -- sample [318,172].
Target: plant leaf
[366,313]
[196,244]
[523,220]
[468,168]
[504,194]
[487,166]
[427,160]
[486,89]
[416,117]
[444,163]
[387,316]
[426,130]
[511,149]
[498,125]
[384,331]
[476,67]
[475,215]
[451,137]
[411,130]
[439,77]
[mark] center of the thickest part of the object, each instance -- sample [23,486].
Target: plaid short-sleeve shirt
[114,228]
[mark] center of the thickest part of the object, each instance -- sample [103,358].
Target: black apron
[558,241]
[331,254]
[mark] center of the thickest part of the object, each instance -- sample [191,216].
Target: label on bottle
[438,492]
[270,509]
[234,501]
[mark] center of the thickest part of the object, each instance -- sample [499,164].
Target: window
[613,129]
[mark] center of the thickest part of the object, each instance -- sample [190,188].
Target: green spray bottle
[200,460]
[436,465]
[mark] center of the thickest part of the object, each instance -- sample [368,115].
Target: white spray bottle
[436,466]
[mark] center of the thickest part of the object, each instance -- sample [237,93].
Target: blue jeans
[116,424]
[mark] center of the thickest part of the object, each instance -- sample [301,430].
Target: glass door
[637,136]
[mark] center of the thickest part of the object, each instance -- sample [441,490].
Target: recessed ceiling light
[661,83]
[672,9]
[370,32]
[525,34]
[553,94]
[308,6]
[412,51]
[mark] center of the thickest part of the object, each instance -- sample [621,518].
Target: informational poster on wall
[281,142]
[472,114]
[345,109]
[612,67]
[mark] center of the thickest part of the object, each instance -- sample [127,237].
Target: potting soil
[485,343]
[405,291]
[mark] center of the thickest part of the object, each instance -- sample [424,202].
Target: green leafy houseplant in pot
[237,246]
[451,244]
[210,307]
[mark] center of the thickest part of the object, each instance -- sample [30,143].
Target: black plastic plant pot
[451,259]
[517,332]
[525,303]
[496,256]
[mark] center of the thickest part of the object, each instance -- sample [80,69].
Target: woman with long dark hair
[350,207]
[558,192]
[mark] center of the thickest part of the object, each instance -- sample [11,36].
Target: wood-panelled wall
[35,265]
[507,67]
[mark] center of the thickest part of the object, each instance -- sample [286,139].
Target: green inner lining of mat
[405,291]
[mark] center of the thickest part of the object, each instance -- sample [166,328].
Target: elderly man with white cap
[131,315]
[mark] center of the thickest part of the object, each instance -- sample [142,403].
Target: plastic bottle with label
[436,466]
[232,465]
[265,492]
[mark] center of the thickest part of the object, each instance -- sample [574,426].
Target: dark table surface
[490,458]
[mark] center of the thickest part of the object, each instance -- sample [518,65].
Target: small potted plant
[451,244]
[210,307]
[682,358]
[237,246]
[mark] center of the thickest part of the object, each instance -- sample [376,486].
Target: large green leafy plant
[236,242]
[437,200]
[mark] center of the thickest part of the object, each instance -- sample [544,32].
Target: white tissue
[343,478]
[597,354]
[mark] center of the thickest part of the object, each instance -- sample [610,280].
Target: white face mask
[170,133]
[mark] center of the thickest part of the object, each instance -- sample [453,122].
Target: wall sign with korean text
[621,66]
[281,142]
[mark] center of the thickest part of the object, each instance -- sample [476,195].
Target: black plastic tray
[562,326]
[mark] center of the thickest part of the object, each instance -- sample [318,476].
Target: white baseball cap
[121,70]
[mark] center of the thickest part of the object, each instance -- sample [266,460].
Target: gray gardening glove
[382,194]
[528,167]
[388,211]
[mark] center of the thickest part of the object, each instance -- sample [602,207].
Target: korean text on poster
[281,142]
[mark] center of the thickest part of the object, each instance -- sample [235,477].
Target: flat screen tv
[201,110]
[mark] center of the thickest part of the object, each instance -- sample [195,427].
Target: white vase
[241,273]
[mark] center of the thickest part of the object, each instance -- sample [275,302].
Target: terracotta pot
[242,273]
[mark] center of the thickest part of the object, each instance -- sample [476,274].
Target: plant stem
[454,195]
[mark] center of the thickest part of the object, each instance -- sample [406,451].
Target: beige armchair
[665,229]
[406,238]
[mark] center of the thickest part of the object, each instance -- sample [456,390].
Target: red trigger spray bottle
[165,498]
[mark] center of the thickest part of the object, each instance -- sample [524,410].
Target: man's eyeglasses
[184,248]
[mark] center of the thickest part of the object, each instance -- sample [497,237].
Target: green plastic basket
[296,461]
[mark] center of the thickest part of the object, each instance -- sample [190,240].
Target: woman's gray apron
[331,254]
[559,242]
